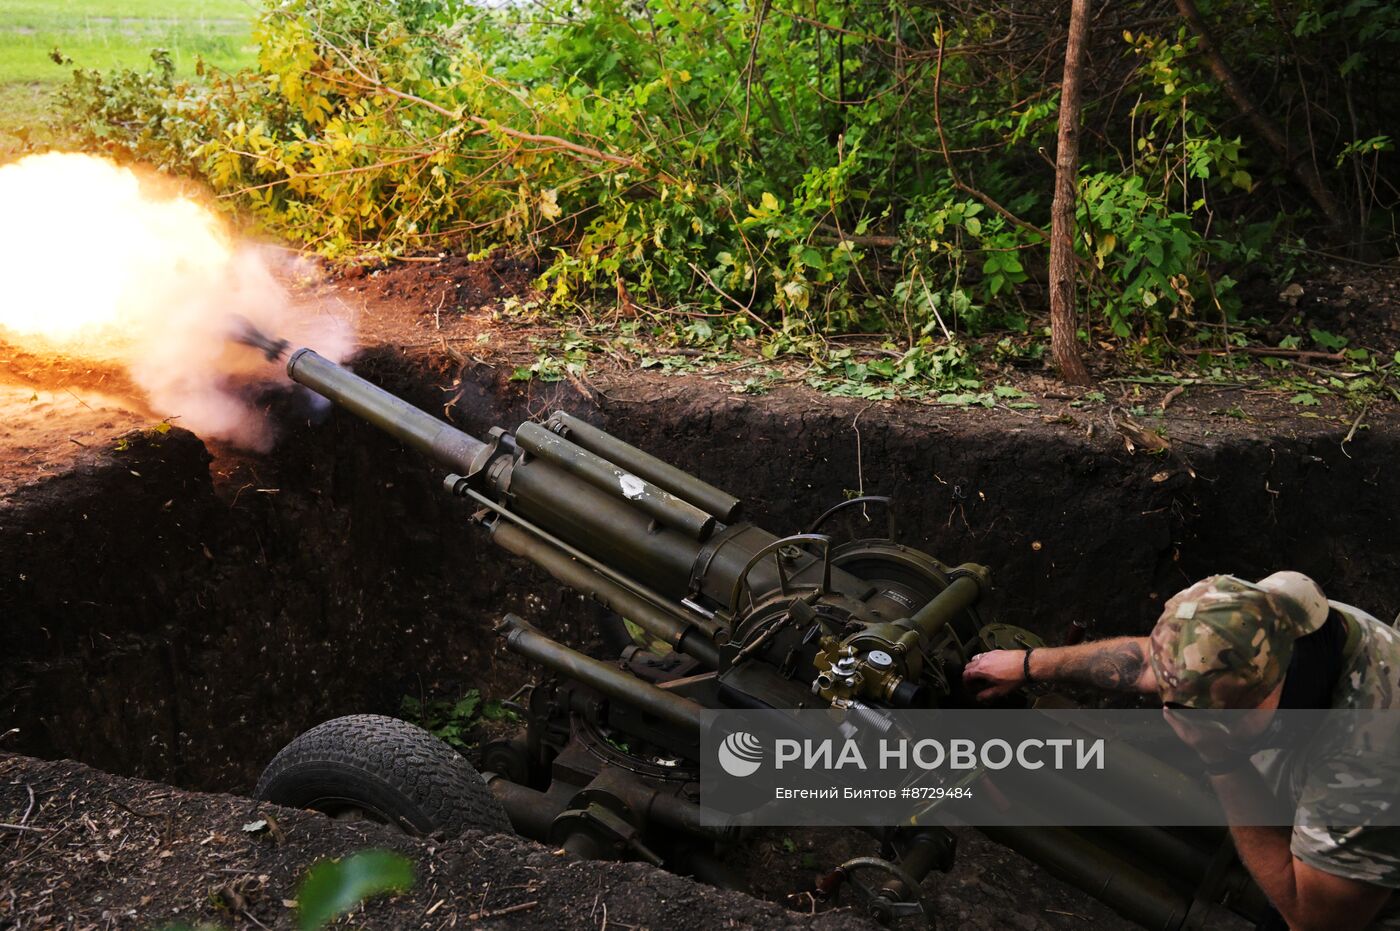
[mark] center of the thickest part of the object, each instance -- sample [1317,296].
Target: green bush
[809,167]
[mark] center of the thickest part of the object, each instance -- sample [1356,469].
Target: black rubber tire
[390,770]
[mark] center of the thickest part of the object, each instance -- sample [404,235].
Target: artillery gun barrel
[396,417]
[568,495]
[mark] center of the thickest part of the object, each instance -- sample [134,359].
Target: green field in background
[107,34]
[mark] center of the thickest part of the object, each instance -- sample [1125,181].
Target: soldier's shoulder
[1371,677]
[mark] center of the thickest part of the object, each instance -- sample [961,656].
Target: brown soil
[170,619]
[43,432]
[91,850]
[55,413]
[448,286]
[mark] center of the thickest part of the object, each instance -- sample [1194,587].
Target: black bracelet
[1026,667]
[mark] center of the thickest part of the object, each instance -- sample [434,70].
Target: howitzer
[606,765]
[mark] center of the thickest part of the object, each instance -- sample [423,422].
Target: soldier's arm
[1119,665]
[1306,897]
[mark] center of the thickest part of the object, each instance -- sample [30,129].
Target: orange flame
[88,258]
[97,262]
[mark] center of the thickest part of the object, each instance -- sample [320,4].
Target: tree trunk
[1300,167]
[1064,341]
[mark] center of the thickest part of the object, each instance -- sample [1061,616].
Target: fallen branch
[508,910]
[582,150]
[1355,425]
[1280,353]
[879,242]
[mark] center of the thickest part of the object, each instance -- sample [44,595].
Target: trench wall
[160,623]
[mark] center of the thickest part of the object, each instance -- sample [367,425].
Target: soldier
[1275,643]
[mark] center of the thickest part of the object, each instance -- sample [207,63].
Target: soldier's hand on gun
[995,673]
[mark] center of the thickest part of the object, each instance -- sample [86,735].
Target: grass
[106,34]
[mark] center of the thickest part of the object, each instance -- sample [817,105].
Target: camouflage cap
[1225,642]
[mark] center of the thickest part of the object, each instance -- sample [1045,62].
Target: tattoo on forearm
[1117,668]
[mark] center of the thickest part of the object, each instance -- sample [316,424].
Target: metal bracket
[977,573]
[741,584]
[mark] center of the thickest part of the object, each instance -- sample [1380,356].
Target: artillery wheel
[385,770]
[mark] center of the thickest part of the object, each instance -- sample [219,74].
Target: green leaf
[1328,341]
[882,367]
[467,705]
[334,887]
[1306,399]
[496,710]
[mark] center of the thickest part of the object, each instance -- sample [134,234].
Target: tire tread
[446,791]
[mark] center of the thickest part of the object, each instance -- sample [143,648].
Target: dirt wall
[164,621]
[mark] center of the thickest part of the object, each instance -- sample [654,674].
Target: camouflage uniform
[1225,642]
[1344,778]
